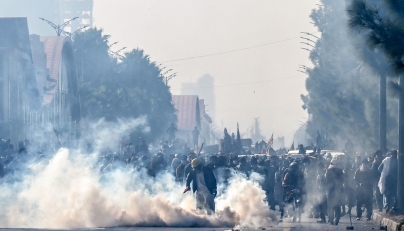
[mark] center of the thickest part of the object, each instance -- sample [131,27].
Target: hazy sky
[259,82]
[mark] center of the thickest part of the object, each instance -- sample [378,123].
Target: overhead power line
[238,84]
[231,51]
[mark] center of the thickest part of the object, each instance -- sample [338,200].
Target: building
[60,102]
[204,88]
[38,85]
[16,73]
[191,113]
[206,123]
[77,8]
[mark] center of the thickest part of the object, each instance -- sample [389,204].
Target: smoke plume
[68,190]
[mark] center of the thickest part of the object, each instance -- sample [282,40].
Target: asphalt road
[307,224]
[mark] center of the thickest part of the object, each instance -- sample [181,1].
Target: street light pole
[400,178]
[382,114]
[76,31]
[59,29]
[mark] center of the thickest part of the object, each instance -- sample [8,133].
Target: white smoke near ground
[68,190]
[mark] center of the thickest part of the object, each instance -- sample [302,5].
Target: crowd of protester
[332,185]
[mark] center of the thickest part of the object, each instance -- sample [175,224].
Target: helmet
[294,166]
[195,163]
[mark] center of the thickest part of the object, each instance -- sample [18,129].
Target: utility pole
[400,183]
[59,29]
[382,114]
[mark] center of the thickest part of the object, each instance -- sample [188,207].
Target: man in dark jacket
[364,185]
[180,171]
[334,177]
[203,185]
[321,186]
[376,192]
[294,179]
[188,166]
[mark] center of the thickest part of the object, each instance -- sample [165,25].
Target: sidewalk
[391,221]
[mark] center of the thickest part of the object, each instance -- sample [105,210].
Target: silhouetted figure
[212,163]
[263,147]
[144,147]
[378,197]
[195,137]
[171,132]
[388,180]
[158,164]
[226,145]
[321,185]
[335,181]
[188,167]
[175,162]
[349,186]
[180,172]
[319,142]
[301,149]
[244,166]
[364,187]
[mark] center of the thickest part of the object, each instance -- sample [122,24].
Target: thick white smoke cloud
[69,191]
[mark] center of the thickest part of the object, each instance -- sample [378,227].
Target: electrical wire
[231,51]
[238,84]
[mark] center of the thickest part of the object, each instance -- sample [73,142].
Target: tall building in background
[204,88]
[56,11]
[77,8]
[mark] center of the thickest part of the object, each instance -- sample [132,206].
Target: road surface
[307,224]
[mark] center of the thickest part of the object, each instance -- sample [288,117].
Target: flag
[239,138]
[293,146]
[271,141]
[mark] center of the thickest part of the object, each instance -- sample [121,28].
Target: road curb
[380,218]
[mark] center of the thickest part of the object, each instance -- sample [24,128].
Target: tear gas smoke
[69,191]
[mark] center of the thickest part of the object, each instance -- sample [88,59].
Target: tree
[117,89]
[147,89]
[381,25]
[342,92]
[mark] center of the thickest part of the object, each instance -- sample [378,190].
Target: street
[308,224]
[206,116]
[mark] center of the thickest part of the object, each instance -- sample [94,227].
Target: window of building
[85,21]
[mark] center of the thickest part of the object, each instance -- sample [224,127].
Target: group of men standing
[341,185]
[330,186]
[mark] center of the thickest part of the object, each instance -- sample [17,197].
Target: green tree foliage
[379,25]
[129,87]
[342,93]
[381,22]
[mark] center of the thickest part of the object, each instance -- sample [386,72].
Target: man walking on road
[364,185]
[376,192]
[388,180]
[334,182]
[203,185]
